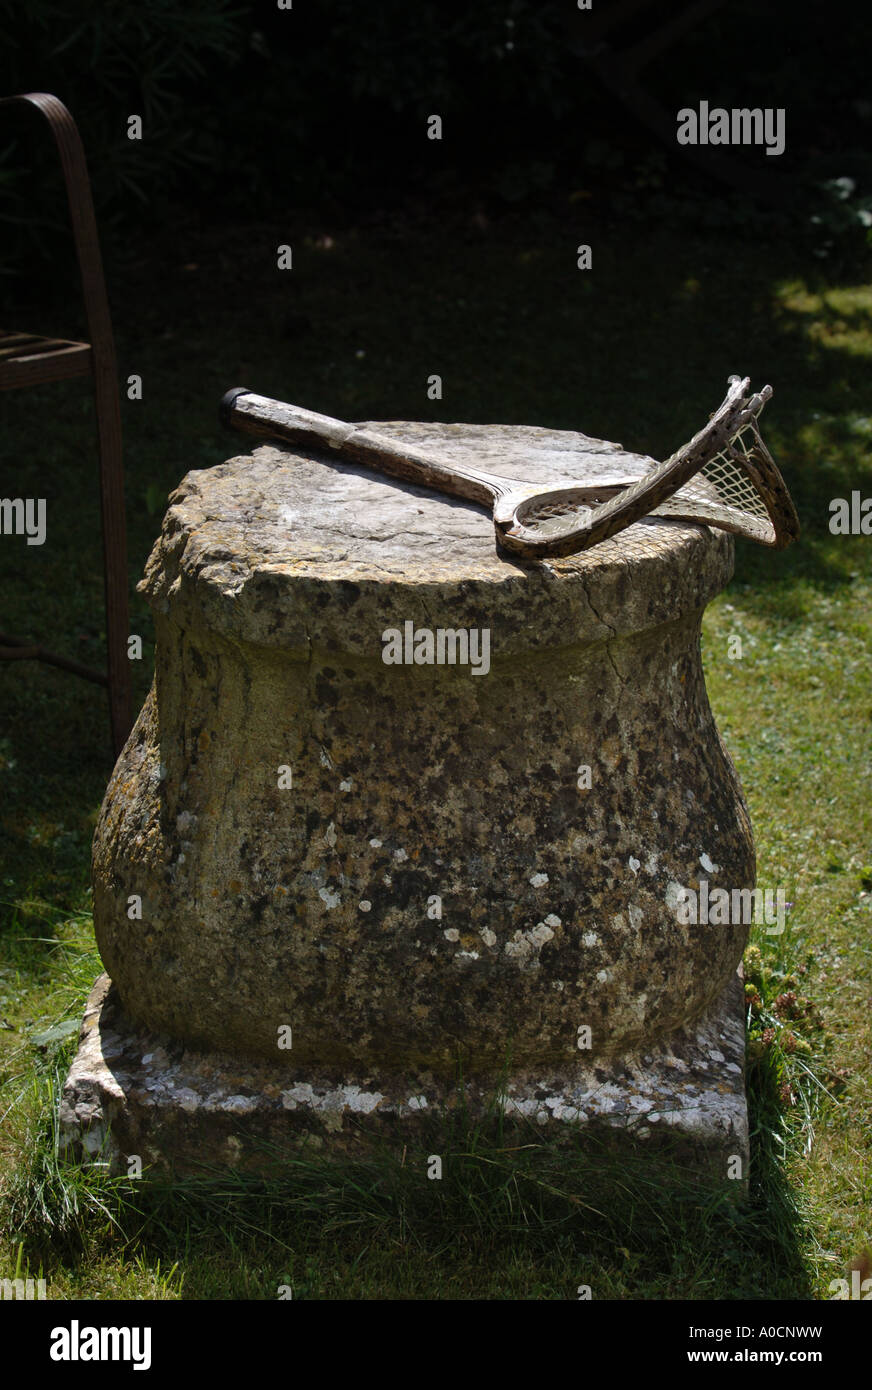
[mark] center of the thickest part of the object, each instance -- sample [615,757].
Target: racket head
[732,482]
[740,490]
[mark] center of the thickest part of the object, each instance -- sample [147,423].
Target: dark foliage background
[251,109]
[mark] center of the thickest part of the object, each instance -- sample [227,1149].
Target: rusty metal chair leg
[114,555]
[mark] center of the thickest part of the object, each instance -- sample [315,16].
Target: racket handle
[241,409]
[228,400]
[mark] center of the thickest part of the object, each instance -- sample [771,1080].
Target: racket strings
[552,511]
[724,482]
[729,475]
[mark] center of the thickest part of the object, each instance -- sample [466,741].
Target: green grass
[518,1220]
[637,350]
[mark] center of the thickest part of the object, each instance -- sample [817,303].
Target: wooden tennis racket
[724,477]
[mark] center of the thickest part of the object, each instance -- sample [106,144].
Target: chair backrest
[84,224]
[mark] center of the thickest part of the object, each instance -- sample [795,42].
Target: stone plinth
[134,1092]
[400,870]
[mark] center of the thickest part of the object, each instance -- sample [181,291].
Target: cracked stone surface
[132,1093]
[436,885]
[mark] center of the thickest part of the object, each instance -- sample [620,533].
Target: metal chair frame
[29,360]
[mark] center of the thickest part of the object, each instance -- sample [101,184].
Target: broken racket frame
[724,477]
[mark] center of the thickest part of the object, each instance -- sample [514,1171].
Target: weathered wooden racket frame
[614,504]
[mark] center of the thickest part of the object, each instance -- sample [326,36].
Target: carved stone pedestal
[324,883]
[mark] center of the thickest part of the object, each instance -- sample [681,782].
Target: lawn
[637,349]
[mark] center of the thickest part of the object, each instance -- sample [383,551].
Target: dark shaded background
[250,108]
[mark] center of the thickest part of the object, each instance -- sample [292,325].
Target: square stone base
[129,1093]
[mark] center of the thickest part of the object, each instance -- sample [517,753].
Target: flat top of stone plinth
[288,546]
